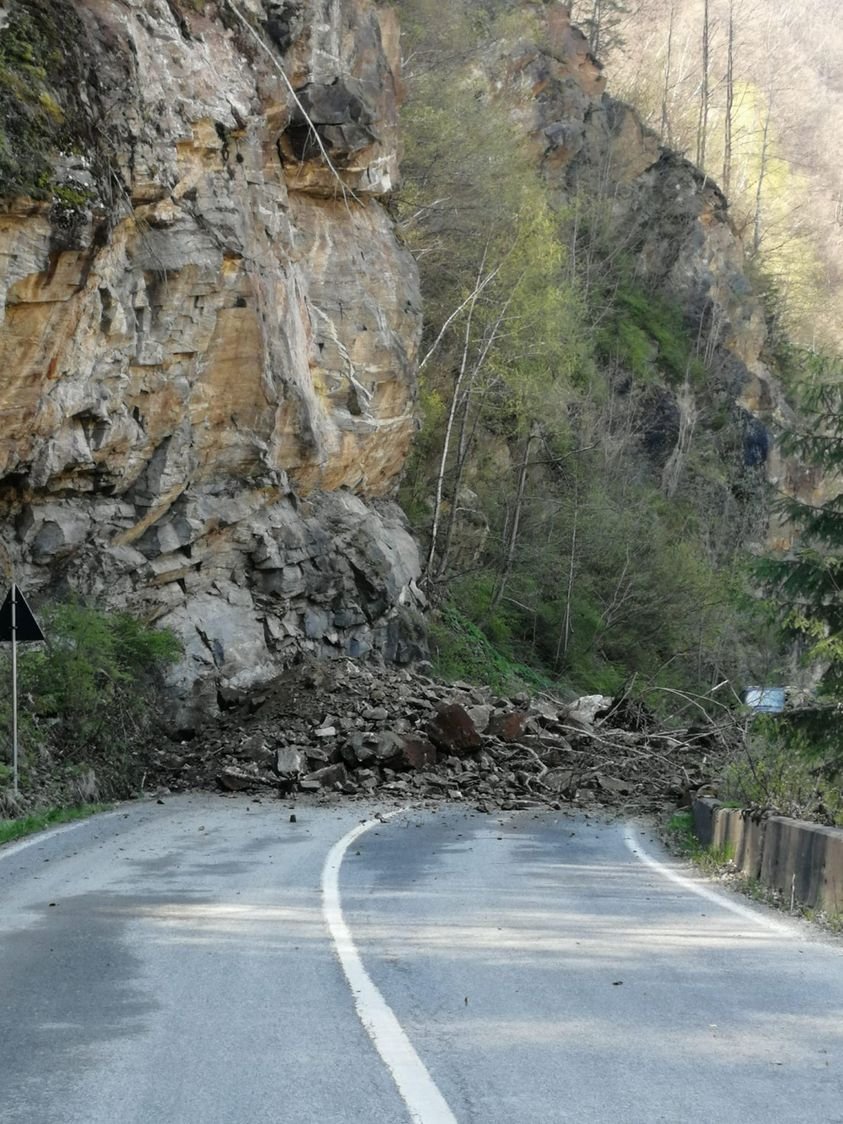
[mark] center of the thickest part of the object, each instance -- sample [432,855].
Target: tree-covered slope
[594,460]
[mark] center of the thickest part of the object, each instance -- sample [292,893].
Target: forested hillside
[599,367]
[753,92]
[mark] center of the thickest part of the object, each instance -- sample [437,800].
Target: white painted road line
[634,844]
[420,1093]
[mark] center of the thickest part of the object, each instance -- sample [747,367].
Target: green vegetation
[40,821]
[70,196]
[463,651]
[683,839]
[649,337]
[736,101]
[37,69]
[580,476]
[777,767]
[803,581]
[680,827]
[89,697]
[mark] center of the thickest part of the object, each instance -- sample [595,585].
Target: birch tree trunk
[515,523]
[452,412]
[665,122]
[762,175]
[566,629]
[728,120]
[702,127]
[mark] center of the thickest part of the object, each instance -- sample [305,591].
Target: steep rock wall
[670,217]
[208,332]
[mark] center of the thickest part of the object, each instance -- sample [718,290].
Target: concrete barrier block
[742,837]
[749,854]
[831,896]
[804,862]
[703,810]
[727,829]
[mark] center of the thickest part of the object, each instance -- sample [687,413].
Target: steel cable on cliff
[346,190]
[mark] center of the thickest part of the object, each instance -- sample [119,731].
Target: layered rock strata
[208,330]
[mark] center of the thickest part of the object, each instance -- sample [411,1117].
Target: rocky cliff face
[207,334]
[667,213]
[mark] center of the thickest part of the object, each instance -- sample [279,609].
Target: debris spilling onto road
[347,729]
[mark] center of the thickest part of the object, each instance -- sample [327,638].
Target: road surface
[206,961]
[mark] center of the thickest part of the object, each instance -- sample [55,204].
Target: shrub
[461,650]
[647,334]
[775,768]
[94,686]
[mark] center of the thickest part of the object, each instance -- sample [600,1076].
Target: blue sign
[765,700]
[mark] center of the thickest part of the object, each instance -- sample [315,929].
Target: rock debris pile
[348,729]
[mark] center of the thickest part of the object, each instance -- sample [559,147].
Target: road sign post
[18,625]
[15,689]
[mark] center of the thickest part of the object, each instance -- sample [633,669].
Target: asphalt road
[181,963]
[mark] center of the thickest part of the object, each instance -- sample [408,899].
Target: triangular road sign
[27,628]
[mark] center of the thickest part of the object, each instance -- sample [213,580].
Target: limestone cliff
[208,330]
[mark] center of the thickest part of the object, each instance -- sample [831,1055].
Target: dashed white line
[781,928]
[418,1090]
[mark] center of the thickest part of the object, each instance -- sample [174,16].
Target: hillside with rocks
[227,313]
[600,446]
[774,110]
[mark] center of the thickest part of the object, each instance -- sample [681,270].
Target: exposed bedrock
[669,216]
[207,334]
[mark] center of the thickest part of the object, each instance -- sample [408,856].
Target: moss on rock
[41,84]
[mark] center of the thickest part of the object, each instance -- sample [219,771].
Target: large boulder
[453,731]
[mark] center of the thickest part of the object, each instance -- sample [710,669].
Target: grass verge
[717,863]
[40,821]
[681,838]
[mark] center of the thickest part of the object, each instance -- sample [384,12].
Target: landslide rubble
[350,729]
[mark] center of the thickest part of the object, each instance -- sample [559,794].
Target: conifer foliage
[804,583]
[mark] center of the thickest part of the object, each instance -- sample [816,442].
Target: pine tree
[804,584]
[602,21]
